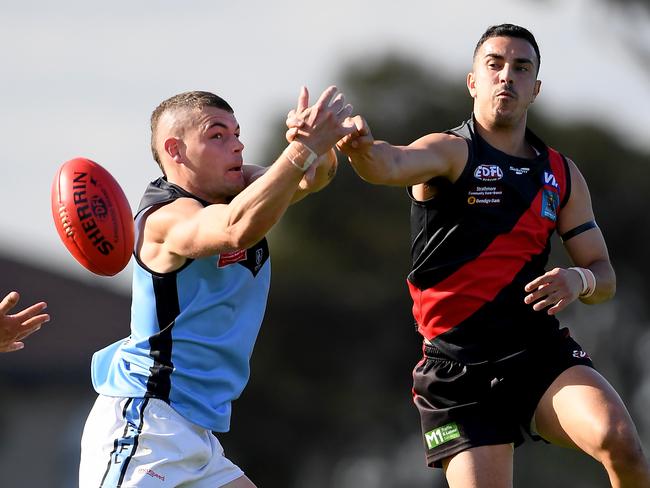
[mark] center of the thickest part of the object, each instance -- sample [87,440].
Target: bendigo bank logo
[488,172]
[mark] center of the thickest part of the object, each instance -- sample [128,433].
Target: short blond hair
[192,100]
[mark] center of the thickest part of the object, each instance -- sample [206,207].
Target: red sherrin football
[92,216]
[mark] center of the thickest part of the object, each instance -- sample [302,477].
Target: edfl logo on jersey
[488,172]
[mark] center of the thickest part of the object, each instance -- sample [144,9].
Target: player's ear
[173,148]
[538,85]
[471,84]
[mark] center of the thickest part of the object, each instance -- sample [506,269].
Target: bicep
[434,155]
[578,209]
[589,246]
[187,229]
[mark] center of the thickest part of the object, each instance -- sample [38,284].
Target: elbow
[244,237]
[242,241]
[372,179]
[609,286]
[380,172]
[377,178]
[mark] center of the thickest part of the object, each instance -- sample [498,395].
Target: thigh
[96,441]
[580,409]
[241,482]
[481,467]
[143,442]
[460,409]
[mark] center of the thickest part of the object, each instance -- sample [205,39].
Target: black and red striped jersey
[478,242]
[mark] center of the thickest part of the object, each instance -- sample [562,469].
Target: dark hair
[192,100]
[509,30]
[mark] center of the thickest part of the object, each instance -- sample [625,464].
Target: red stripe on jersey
[457,297]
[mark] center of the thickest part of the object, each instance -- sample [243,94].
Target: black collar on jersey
[161,191]
[537,144]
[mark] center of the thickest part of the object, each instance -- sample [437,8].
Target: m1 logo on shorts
[440,435]
[488,172]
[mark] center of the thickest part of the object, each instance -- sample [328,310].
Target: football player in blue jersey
[200,285]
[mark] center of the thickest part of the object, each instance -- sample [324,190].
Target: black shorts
[470,405]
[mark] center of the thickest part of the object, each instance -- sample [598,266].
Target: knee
[618,445]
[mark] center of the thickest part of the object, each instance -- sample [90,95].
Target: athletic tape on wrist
[308,160]
[588,281]
[591,283]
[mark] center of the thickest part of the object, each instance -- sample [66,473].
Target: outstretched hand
[321,125]
[359,139]
[16,327]
[294,120]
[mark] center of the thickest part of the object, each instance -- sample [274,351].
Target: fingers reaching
[295,117]
[15,327]
[9,302]
[303,100]
[322,124]
[326,97]
[30,312]
[359,135]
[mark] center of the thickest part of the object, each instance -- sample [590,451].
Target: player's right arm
[185,229]
[378,162]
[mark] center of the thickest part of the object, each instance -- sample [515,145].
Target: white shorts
[144,443]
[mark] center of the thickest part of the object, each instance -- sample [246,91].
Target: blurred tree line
[329,402]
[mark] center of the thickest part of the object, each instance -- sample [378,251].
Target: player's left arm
[587,249]
[595,281]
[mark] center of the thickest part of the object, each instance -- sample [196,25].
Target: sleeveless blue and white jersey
[192,330]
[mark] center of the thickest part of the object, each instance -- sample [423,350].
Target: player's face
[214,153]
[504,81]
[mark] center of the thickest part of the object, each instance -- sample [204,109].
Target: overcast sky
[80,78]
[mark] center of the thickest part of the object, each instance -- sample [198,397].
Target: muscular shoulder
[159,219]
[445,156]
[154,229]
[444,139]
[449,151]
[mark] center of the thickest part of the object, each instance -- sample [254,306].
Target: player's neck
[197,190]
[509,139]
